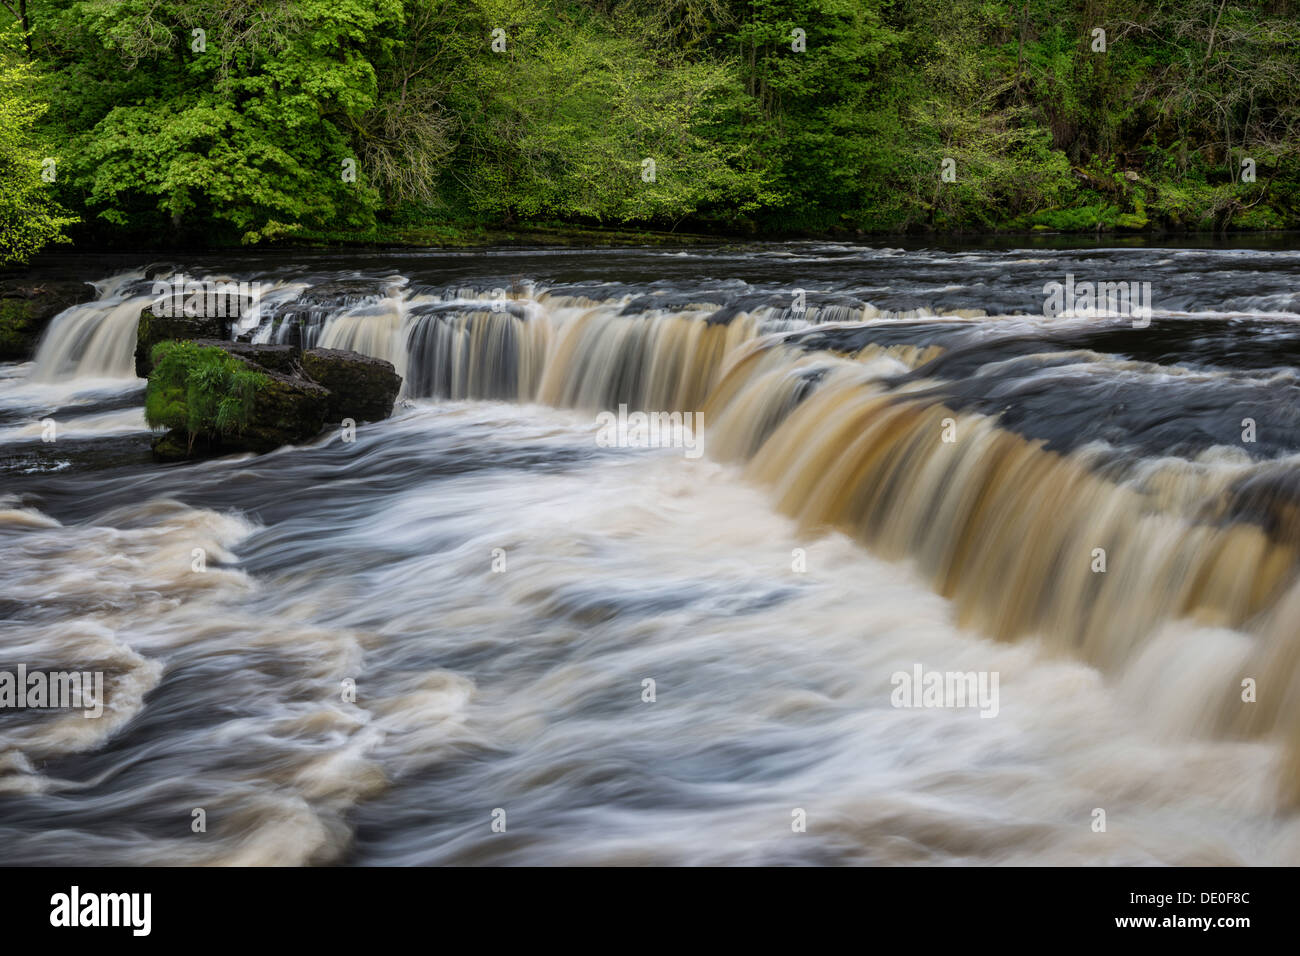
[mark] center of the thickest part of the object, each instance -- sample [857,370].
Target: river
[479,634]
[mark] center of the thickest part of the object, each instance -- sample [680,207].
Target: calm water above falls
[827,539]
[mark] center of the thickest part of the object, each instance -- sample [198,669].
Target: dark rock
[361,388]
[304,391]
[26,308]
[155,328]
[173,445]
[288,410]
[336,292]
[277,358]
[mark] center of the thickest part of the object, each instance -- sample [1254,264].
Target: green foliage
[758,115]
[201,390]
[570,116]
[29,217]
[247,131]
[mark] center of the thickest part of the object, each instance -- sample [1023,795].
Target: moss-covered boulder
[287,411]
[216,403]
[217,397]
[360,387]
[276,358]
[26,308]
[154,328]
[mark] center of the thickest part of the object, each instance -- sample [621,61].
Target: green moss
[16,333]
[142,329]
[202,391]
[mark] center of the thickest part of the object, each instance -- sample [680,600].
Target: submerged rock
[26,308]
[361,388]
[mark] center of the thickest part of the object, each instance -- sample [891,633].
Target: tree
[29,217]
[249,117]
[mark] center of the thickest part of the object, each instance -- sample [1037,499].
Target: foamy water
[499,588]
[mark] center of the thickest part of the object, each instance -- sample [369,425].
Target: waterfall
[1030,536]
[95,339]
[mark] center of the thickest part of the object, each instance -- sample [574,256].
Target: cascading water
[1067,502]
[96,339]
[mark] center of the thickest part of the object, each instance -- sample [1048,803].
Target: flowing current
[479,633]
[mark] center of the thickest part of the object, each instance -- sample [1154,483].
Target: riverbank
[450,236]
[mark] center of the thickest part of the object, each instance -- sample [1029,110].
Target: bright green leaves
[201,390]
[29,216]
[593,119]
[248,123]
[230,120]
